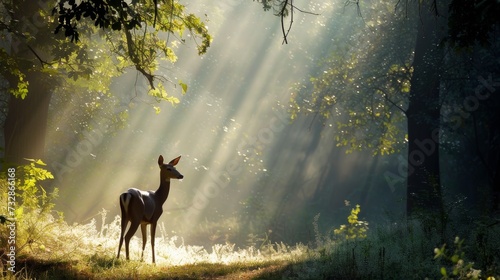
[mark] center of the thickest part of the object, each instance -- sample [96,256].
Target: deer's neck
[162,192]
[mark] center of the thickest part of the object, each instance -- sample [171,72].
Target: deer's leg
[124,223]
[124,226]
[153,230]
[144,239]
[133,228]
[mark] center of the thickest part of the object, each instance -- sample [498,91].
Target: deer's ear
[175,161]
[160,160]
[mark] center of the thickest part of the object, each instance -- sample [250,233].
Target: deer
[145,207]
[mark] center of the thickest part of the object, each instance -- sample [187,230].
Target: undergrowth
[49,248]
[397,251]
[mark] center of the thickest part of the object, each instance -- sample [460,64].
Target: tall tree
[26,123]
[423,117]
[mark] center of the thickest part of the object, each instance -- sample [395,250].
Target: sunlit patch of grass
[88,251]
[98,247]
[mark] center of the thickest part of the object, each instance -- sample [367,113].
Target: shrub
[32,205]
[355,229]
[456,267]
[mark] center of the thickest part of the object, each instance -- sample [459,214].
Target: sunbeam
[237,143]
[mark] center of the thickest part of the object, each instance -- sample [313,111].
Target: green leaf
[19,211]
[40,162]
[443,271]
[183,86]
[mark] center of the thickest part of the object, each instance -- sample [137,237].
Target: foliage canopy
[142,39]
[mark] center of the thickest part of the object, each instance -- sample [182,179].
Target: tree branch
[282,15]
[133,56]
[386,97]
[42,62]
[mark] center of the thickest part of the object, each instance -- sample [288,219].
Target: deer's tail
[124,202]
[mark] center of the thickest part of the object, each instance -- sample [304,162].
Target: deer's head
[168,171]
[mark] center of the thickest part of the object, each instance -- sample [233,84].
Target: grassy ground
[102,268]
[397,253]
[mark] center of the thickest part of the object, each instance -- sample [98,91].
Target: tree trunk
[26,123]
[423,184]
[494,162]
